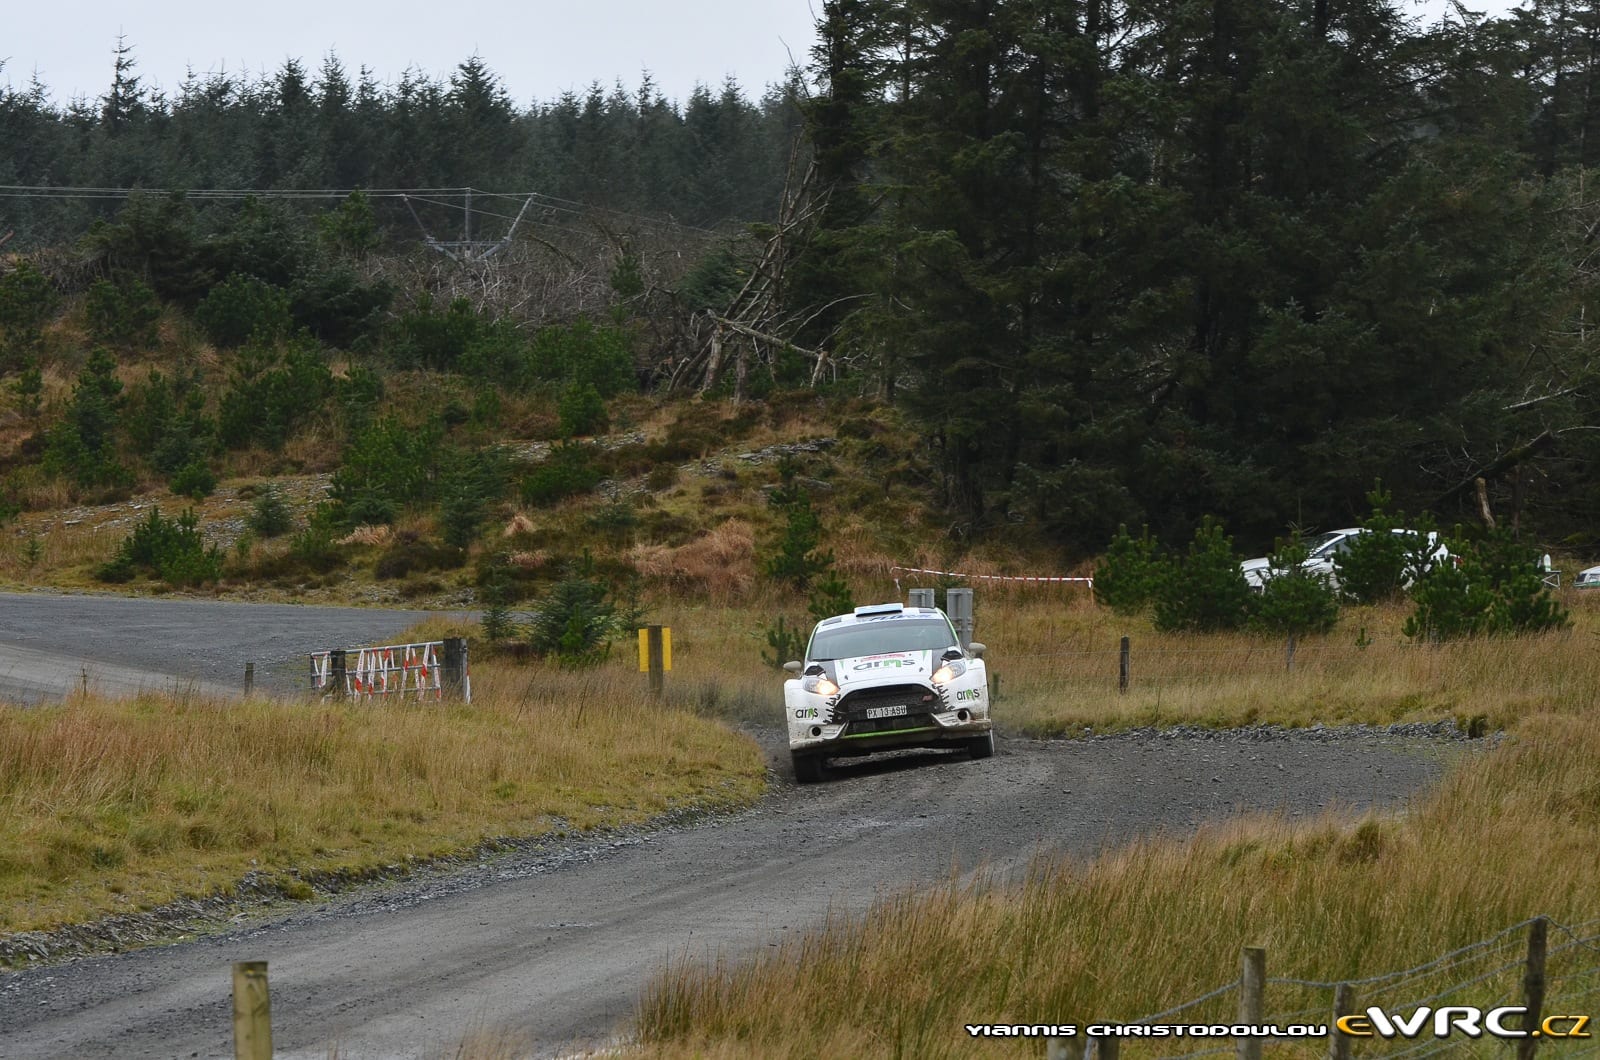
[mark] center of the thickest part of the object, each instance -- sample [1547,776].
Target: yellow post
[644,647]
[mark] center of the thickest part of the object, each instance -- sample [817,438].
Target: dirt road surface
[554,945]
[51,644]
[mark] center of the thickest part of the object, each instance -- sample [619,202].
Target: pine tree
[27,301]
[83,445]
[124,102]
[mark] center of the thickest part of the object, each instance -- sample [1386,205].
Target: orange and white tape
[895,572]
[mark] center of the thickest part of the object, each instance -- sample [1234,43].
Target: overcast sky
[540,48]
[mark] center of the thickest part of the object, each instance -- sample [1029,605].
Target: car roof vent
[880,609]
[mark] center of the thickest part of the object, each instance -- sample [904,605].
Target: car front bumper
[948,728]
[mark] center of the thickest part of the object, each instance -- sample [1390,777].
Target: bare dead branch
[745,329]
[1530,402]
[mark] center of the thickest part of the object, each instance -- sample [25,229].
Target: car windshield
[876,638]
[1323,542]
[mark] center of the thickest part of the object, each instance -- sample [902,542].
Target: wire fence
[1544,973]
[457,198]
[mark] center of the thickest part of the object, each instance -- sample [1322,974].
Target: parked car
[886,676]
[1323,550]
[1587,579]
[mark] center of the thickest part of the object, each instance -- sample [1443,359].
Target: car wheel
[807,768]
[981,746]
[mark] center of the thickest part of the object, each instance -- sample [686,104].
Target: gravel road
[553,944]
[48,642]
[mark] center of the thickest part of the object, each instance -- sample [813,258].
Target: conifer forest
[1115,261]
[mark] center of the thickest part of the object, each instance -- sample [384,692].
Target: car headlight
[819,685]
[949,671]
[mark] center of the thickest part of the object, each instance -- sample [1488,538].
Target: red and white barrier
[895,573]
[389,670]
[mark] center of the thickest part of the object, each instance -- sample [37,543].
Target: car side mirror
[793,666]
[977,649]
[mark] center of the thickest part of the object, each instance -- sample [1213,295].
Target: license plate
[898,710]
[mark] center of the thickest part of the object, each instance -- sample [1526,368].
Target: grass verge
[1056,670]
[118,806]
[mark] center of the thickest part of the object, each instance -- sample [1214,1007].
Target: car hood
[1256,571]
[890,668]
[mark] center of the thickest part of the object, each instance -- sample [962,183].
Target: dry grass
[73,540]
[367,535]
[60,548]
[534,560]
[520,523]
[35,490]
[718,565]
[16,424]
[314,448]
[857,547]
[1057,671]
[255,462]
[111,806]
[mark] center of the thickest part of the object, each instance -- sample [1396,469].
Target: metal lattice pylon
[466,249]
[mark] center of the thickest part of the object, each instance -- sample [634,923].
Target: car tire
[807,768]
[981,746]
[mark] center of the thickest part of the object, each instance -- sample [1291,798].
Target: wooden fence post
[252,1012]
[1108,1048]
[1344,1004]
[336,672]
[1288,655]
[1252,1005]
[1122,667]
[453,666]
[249,677]
[994,697]
[1533,987]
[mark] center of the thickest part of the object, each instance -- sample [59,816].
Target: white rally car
[887,676]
